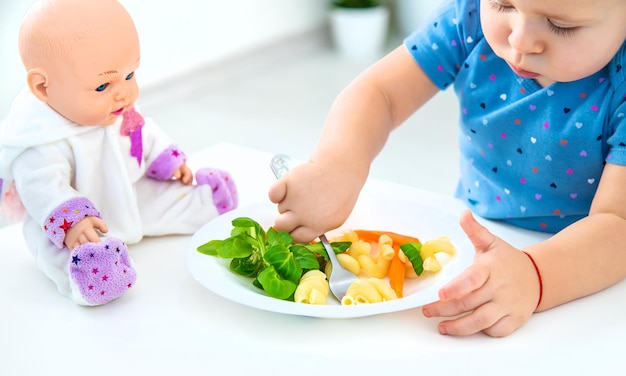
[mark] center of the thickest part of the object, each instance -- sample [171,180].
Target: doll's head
[80,57]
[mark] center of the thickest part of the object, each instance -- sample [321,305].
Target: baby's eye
[562,31]
[500,8]
[130,75]
[102,87]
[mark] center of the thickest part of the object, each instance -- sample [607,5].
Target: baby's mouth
[523,73]
[118,112]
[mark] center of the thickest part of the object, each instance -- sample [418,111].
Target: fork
[340,278]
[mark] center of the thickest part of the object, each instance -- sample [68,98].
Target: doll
[91,172]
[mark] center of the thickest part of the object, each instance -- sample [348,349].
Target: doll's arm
[43,177]
[165,160]
[73,223]
[85,231]
[184,174]
[170,163]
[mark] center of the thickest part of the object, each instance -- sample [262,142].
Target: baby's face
[95,81]
[554,40]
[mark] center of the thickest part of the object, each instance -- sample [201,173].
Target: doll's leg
[225,194]
[92,274]
[100,272]
[52,261]
[169,207]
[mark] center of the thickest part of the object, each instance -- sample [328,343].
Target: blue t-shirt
[530,155]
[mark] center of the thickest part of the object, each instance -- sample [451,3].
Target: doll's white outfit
[64,172]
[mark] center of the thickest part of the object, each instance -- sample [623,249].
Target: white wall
[179,35]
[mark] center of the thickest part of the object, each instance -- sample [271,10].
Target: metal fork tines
[340,278]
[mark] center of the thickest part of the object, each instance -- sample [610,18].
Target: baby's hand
[85,232]
[184,174]
[313,199]
[495,295]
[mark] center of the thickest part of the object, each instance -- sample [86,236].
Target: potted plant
[359,28]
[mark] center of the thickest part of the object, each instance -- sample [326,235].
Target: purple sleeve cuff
[166,163]
[65,216]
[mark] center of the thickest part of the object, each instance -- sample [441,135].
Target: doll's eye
[130,75]
[102,87]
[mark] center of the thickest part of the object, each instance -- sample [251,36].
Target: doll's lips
[523,73]
[118,112]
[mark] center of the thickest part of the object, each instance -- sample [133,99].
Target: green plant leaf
[248,225]
[210,248]
[235,247]
[305,258]
[338,247]
[275,285]
[412,252]
[278,237]
[281,258]
[248,266]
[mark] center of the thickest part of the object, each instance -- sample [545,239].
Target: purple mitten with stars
[225,195]
[100,272]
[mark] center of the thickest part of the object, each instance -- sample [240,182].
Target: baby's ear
[37,80]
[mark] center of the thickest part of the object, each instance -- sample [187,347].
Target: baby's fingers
[471,279]
[464,294]
[481,238]
[278,191]
[482,318]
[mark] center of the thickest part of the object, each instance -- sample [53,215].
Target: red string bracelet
[538,275]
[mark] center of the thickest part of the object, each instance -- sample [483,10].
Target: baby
[541,88]
[84,161]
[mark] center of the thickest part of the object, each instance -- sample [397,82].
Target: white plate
[374,212]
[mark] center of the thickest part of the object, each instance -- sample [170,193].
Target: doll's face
[90,80]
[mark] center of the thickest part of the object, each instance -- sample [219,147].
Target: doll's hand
[85,232]
[495,295]
[184,174]
[312,199]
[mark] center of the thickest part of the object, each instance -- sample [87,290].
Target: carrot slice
[372,236]
[397,270]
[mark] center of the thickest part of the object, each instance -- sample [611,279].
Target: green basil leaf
[250,226]
[305,258]
[210,248]
[278,238]
[412,252]
[283,261]
[248,266]
[234,247]
[338,247]
[275,285]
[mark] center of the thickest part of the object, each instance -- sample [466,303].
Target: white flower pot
[411,14]
[359,33]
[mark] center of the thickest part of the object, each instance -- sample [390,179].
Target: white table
[169,324]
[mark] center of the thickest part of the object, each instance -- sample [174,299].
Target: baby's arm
[500,290]
[320,194]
